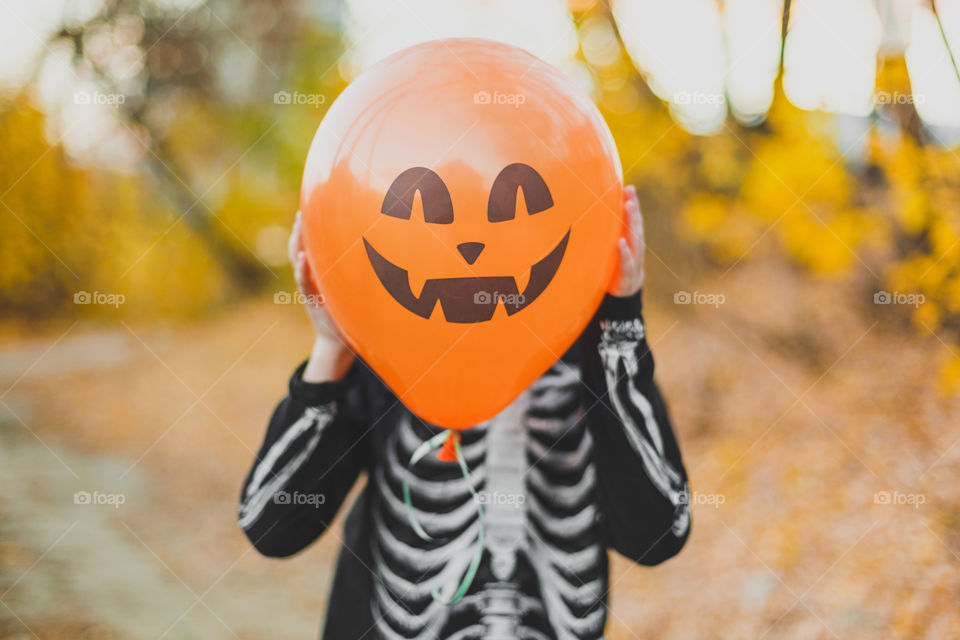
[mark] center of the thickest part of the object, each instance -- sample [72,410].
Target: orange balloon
[461,205]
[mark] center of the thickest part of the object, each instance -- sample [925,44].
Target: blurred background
[798,167]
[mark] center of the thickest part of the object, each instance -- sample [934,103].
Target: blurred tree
[893,217]
[192,84]
[188,57]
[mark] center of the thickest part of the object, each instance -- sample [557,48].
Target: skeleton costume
[584,460]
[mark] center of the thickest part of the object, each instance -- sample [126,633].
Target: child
[584,460]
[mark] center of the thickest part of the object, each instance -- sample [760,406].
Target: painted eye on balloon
[503,194]
[437,205]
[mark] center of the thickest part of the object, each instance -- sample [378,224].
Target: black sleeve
[311,456]
[642,484]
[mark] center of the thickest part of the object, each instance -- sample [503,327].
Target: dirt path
[80,559]
[799,410]
[94,544]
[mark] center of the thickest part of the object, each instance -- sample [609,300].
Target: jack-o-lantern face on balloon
[473,298]
[461,244]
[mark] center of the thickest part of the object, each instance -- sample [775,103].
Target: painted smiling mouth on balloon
[471,299]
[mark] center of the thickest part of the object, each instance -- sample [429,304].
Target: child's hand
[331,357]
[313,301]
[631,250]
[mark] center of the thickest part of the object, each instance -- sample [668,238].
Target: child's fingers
[626,255]
[634,218]
[631,208]
[636,227]
[628,266]
[295,243]
[298,261]
[301,273]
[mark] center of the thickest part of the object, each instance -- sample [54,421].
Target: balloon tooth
[416,284]
[522,280]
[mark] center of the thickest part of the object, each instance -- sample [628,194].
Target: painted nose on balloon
[470,251]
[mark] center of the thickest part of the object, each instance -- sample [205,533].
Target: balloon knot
[448,453]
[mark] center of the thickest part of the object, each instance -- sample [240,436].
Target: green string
[434,443]
[418,454]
